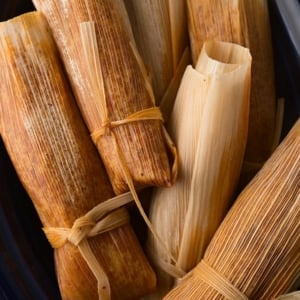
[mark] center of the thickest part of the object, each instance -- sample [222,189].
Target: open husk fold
[255,252]
[111,87]
[246,23]
[160,31]
[59,166]
[209,124]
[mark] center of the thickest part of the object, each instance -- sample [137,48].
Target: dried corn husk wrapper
[246,23]
[161,34]
[61,170]
[112,90]
[122,12]
[209,124]
[255,254]
[290,296]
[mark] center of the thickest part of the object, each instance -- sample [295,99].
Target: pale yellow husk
[255,251]
[209,125]
[246,23]
[160,31]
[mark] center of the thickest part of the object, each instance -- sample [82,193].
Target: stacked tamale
[246,23]
[56,161]
[210,133]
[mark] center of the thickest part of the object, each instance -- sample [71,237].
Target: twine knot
[102,218]
[105,128]
[151,113]
[84,227]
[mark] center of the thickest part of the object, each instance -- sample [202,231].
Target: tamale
[112,90]
[246,23]
[60,168]
[255,253]
[209,124]
[161,34]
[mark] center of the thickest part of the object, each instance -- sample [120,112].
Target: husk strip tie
[152,113]
[102,218]
[218,282]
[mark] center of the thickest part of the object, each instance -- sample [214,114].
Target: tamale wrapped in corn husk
[60,168]
[246,23]
[255,253]
[161,34]
[113,92]
[209,123]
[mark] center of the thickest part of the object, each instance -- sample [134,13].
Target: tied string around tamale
[102,218]
[91,54]
[152,113]
[217,281]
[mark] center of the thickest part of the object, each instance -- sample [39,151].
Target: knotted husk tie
[102,218]
[152,113]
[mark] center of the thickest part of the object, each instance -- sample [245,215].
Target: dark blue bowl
[285,24]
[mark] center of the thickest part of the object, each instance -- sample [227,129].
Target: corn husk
[58,164]
[246,23]
[256,248]
[290,296]
[167,102]
[111,86]
[161,34]
[209,124]
[122,12]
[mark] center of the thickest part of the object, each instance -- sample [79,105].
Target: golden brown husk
[257,245]
[160,31]
[126,89]
[290,296]
[57,162]
[209,124]
[246,23]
